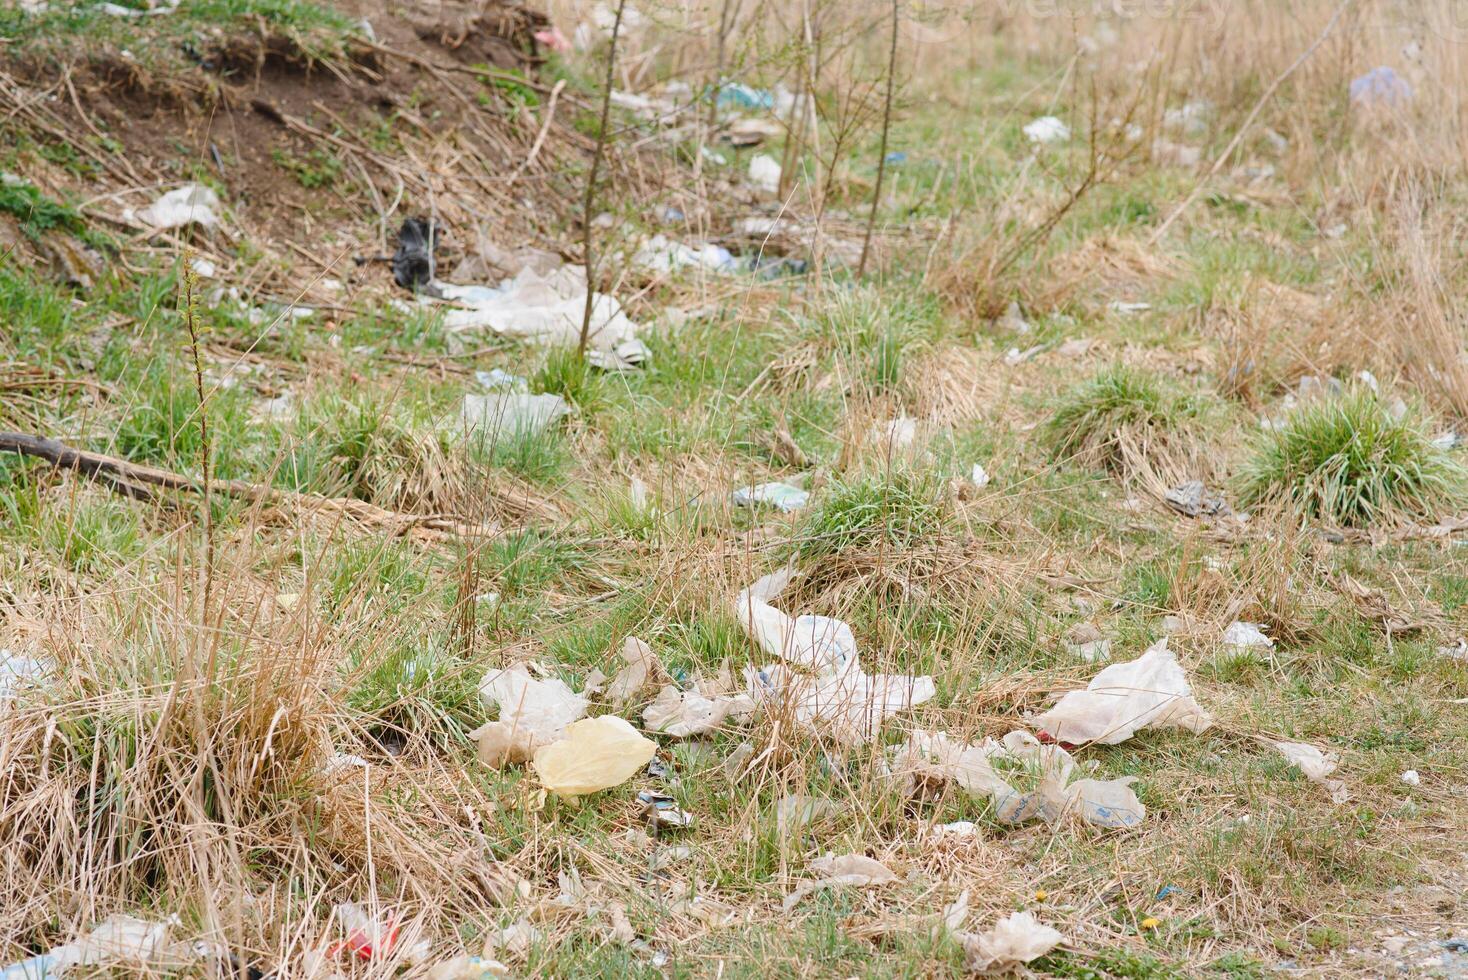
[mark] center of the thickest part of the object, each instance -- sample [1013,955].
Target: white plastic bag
[189,204]
[533,713]
[595,754]
[1015,940]
[1151,691]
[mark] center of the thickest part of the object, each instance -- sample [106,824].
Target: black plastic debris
[412,263]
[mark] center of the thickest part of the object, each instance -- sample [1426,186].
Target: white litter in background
[1013,941]
[532,713]
[189,204]
[683,713]
[506,415]
[544,308]
[1315,763]
[1151,691]
[846,870]
[1412,778]
[764,172]
[781,496]
[18,672]
[1246,636]
[1046,129]
[662,254]
[979,476]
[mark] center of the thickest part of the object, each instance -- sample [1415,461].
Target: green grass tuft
[1348,461]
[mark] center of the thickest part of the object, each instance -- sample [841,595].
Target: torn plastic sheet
[1151,691]
[1315,763]
[992,768]
[1013,941]
[684,713]
[116,941]
[781,496]
[846,870]
[640,665]
[532,713]
[663,255]
[593,755]
[544,308]
[504,415]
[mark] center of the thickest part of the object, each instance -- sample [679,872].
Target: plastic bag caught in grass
[1046,129]
[116,941]
[1151,691]
[640,665]
[1246,636]
[848,869]
[372,937]
[545,309]
[1015,940]
[468,968]
[533,713]
[1316,764]
[840,698]
[595,754]
[781,496]
[683,713]
[506,415]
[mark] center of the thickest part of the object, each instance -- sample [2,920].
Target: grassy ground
[209,662]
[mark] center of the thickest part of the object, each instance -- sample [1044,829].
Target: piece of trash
[764,172]
[372,937]
[1380,86]
[1118,306]
[840,698]
[18,672]
[896,434]
[742,96]
[663,255]
[468,967]
[498,379]
[1151,691]
[796,811]
[544,307]
[186,205]
[895,158]
[959,828]
[1086,641]
[1046,129]
[1412,778]
[1076,347]
[1013,320]
[662,810]
[781,496]
[751,131]
[1190,118]
[1316,764]
[624,356]
[119,940]
[1246,636]
[1014,356]
[640,665]
[553,40]
[119,10]
[203,268]
[684,713]
[532,714]
[735,764]
[1015,940]
[503,416]
[1458,651]
[1448,440]
[593,755]
[1193,499]
[979,476]
[846,870]
[412,263]
[1163,892]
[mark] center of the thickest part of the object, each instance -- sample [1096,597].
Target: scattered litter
[116,941]
[468,968]
[509,415]
[895,434]
[936,757]
[18,672]
[846,870]
[1191,118]
[979,476]
[740,96]
[959,828]
[532,713]
[1014,941]
[1448,440]
[595,754]
[203,267]
[1076,347]
[1014,320]
[684,713]
[840,698]
[1086,641]
[624,356]
[764,171]
[781,496]
[1380,86]
[498,379]
[1315,764]
[1046,129]
[189,204]
[341,762]
[1164,891]
[542,307]
[1151,691]
[663,255]
[896,158]
[1119,306]
[1458,651]
[796,811]
[1176,154]
[1246,636]
[751,131]
[553,40]
[118,10]
[641,664]
[1412,778]
[662,810]
[373,937]
[412,263]
[1193,499]
[1014,356]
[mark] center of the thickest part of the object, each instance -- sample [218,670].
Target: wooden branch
[132,479]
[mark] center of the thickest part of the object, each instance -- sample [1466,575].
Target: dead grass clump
[1104,268]
[1271,335]
[1126,422]
[949,386]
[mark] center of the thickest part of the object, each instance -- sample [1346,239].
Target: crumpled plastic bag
[1046,129]
[1015,940]
[1151,691]
[662,254]
[838,698]
[189,204]
[533,713]
[683,713]
[595,754]
[847,869]
[1246,636]
[118,940]
[544,308]
[781,496]
[764,172]
[992,768]
[641,664]
[1316,764]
